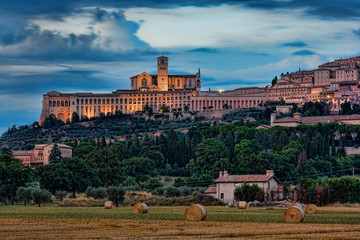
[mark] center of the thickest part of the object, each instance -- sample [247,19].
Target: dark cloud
[303,53]
[59,80]
[52,46]
[204,50]
[344,9]
[357,32]
[294,44]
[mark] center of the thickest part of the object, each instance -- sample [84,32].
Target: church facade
[173,91]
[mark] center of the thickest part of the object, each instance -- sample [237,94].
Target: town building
[40,154]
[334,82]
[226,184]
[297,119]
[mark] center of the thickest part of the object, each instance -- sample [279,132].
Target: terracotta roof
[244,178]
[22,153]
[320,119]
[287,119]
[211,190]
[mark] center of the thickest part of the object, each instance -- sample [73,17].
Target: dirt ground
[29,228]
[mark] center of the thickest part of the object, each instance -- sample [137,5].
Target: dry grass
[51,222]
[25,228]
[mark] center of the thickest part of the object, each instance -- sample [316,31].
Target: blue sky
[96,45]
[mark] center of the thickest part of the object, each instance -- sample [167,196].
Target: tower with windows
[162,73]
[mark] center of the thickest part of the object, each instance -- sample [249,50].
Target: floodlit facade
[333,82]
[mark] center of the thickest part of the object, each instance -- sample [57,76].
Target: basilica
[176,92]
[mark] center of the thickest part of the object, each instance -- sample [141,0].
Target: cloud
[357,32]
[294,44]
[203,50]
[303,53]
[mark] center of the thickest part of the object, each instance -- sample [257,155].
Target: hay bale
[140,208]
[195,212]
[311,209]
[109,204]
[295,204]
[242,205]
[294,214]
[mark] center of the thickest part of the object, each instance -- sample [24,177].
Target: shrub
[24,194]
[78,202]
[97,193]
[172,192]
[116,194]
[40,196]
[185,191]
[152,184]
[60,195]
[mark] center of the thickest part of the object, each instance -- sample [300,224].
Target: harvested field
[18,222]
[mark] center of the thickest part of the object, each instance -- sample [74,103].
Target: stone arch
[61,116]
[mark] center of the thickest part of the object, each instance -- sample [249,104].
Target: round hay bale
[195,212]
[140,208]
[242,205]
[294,214]
[311,209]
[295,204]
[109,204]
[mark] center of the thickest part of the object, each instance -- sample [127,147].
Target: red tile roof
[211,190]
[244,178]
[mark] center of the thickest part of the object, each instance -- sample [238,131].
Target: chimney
[220,174]
[225,173]
[297,116]
[272,118]
[269,173]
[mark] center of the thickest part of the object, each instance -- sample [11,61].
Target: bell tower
[162,73]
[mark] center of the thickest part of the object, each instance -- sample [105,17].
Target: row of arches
[199,105]
[59,103]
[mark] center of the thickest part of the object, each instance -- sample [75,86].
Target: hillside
[114,128]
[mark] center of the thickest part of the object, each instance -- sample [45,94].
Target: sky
[96,45]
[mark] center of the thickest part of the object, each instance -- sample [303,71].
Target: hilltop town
[333,82]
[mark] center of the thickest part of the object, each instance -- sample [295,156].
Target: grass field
[52,222]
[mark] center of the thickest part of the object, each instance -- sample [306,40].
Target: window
[221,195]
[144,82]
[178,83]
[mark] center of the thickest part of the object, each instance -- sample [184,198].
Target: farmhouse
[226,184]
[40,154]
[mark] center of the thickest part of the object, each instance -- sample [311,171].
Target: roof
[211,190]
[320,119]
[42,146]
[21,153]
[244,178]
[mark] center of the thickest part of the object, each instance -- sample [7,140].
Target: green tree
[274,81]
[24,194]
[116,194]
[346,108]
[247,192]
[40,196]
[75,117]
[120,150]
[71,174]
[212,156]
[60,195]
[106,166]
[83,149]
[247,147]
[55,154]
[13,174]
[139,167]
